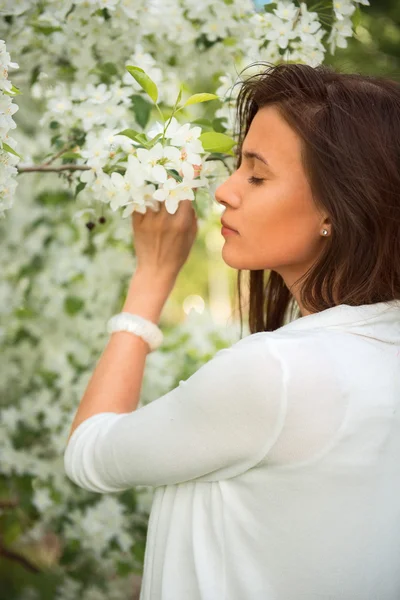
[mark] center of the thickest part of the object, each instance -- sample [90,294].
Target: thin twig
[19,559]
[50,169]
[210,158]
[59,153]
[9,503]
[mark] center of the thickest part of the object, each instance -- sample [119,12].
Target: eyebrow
[252,154]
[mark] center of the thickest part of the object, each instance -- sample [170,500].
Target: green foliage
[142,109]
[73,305]
[133,134]
[196,98]
[216,142]
[144,81]
[8,148]
[52,198]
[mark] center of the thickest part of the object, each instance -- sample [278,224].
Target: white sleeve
[217,424]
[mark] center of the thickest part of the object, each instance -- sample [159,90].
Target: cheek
[278,231]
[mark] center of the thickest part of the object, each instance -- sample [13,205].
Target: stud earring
[324,232]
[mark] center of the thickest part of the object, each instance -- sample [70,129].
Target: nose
[225,193]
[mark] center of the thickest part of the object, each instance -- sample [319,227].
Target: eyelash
[255,181]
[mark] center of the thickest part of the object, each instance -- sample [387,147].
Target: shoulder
[306,349]
[275,339]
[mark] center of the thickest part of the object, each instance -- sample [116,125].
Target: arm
[117,380]
[217,424]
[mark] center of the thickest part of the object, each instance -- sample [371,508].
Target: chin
[235,262]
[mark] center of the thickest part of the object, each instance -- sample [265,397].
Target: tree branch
[210,158]
[59,153]
[19,559]
[8,503]
[50,169]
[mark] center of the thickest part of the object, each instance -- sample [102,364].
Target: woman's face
[278,226]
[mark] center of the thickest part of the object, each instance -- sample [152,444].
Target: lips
[228,226]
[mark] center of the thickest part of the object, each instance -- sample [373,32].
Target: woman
[276,465]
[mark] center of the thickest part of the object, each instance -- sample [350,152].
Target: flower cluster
[8,156]
[287,30]
[91,39]
[52,329]
[147,179]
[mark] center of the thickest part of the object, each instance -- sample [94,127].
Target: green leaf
[219,125]
[45,29]
[12,532]
[24,312]
[81,186]
[216,142]
[71,155]
[203,123]
[15,90]
[109,68]
[142,109]
[73,305]
[130,133]
[196,98]
[229,41]
[357,17]
[54,197]
[154,140]
[144,81]
[175,175]
[8,148]
[179,96]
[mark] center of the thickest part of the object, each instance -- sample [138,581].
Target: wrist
[147,293]
[150,276]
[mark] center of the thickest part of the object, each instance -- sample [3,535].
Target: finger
[186,207]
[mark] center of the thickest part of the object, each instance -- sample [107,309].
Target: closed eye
[255,180]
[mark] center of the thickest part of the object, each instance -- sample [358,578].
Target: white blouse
[276,466]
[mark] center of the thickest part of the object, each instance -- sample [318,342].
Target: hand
[163,241]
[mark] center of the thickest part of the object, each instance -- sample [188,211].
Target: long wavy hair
[349,125]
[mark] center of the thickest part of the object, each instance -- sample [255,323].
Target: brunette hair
[349,125]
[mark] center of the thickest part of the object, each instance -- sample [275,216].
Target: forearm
[117,379]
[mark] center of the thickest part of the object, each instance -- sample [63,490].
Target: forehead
[272,136]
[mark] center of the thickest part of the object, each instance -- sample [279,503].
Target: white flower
[96,151]
[90,115]
[135,173]
[307,28]
[172,191]
[173,127]
[286,10]
[340,31]
[218,26]
[140,200]
[343,8]
[280,31]
[41,499]
[98,94]
[187,136]
[59,105]
[150,161]
[10,417]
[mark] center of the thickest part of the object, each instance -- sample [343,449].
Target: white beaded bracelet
[147,330]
